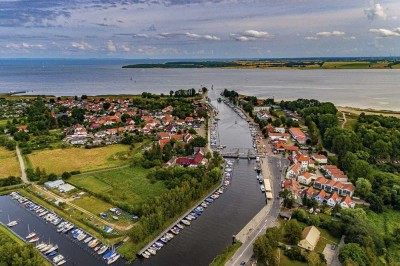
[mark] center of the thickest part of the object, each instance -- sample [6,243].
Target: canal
[207,236]
[75,252]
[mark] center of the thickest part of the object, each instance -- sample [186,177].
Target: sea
[366,88]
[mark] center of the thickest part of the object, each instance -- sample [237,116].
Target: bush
[76,172]
[65,175]
[295,254]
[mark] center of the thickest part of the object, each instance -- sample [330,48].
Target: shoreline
[345,108]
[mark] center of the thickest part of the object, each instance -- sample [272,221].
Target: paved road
[22,166]
[245,252]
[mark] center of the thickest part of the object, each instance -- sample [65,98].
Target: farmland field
[61,160]
[9,163]
[127,185]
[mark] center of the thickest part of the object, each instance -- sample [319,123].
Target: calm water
[378,89]
[207,236]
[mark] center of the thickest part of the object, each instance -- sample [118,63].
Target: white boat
[145,255]
[30,235]
[87,239]
[152,251]
[51,249]
[61,262]
[113,258]
[50,246]
[58,258]
[81,236]
[33,239]
[12,223]
[39,246]
[185,222]
[102,250]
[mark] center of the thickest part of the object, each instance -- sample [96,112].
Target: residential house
[167,109]
[294,171]
[163,135]
[305,178]
[278,136]
[347,202]
[320,158]
[195,161]
[298,135]
[304,160]
[22,129]
[162,142]
[292,186]
[280,130]
[333,199]
[262,115]
[309,192]
[320,196]
[310,237]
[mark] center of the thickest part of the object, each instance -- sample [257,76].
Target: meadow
[69,159]
[125,185]
[9,164]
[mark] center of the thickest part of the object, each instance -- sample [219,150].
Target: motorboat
[180,226]
[93,243]
[113,259]
[144,255]
[53,253]
[102,250]
[58,259]
[185,222]
[81,236]
[87,239]
[61,262]
[12,223]
[51,249]
[152,251]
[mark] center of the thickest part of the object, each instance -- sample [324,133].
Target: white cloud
[386,33]
[140,35]
[125,47]
[311,38]
[350,38]
[375,11]
[24,46]
[111,46]
[255,34]
[82,45]
[205,37]
[249,35]
[331,33]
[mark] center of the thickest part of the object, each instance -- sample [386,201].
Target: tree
[106,105]
[300,214]
[352,253]
[292,232]
[52,177]
[199,142]
[264,251]
[65,175]
[376,202]
[314,220]
[171,93]
[363,187]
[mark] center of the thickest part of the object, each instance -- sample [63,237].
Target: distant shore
[278,64]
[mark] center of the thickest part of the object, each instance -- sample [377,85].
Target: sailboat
[11,223]
[31,234]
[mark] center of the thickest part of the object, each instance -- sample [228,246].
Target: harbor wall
[244,234]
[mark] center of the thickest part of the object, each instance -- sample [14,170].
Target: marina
[58,240]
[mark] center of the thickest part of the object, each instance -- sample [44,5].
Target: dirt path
[344,120]
[51,194]
[22,166]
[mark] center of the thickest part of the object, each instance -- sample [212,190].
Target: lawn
[325,238]
[226,254]
[127,185]
[285,261]
[9,163]
[65,160]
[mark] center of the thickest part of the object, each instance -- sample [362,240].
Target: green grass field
[384,222]
[226,254]
[9,163]
[128,185]
[61,160]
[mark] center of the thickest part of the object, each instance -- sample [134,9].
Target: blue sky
[198,28]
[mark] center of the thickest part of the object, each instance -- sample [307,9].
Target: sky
[198,28]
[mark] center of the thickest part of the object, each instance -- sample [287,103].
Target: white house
[320,158]
[347,203]
[333,200]
[262,115]
[305,178]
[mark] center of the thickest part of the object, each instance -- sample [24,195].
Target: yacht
[61,262]
[33,239]
[51,250]
[144,255]
[30,235]
[58,259]
[185,222]
[87,239]
[102,250]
